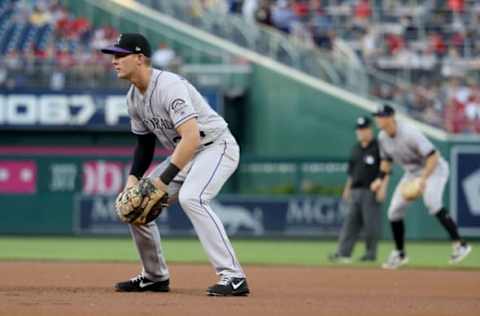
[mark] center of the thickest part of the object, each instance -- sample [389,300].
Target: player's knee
[188,200]
[394,216]
[433,205]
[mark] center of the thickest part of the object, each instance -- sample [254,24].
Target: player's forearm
[185,149]
[348,184]
[382,178]
[346,189]
[143,155]
[430,165]
[385,168]
[385,181]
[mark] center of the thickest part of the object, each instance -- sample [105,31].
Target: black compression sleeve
[143,154]
[431,153]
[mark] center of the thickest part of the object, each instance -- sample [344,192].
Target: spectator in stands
[282,15]
[165,58]
[249,9]
[388,37]
[235,6]
[39,16]
[263,15]
[363,12]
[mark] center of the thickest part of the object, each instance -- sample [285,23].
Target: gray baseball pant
[364,212]
[196,185]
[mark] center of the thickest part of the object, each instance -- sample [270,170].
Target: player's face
[382,122]
[125,65]
[364,134]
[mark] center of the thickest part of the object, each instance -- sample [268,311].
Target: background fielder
[166,107]
[403,144]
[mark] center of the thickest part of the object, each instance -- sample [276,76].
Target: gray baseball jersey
[168,102]
[410,149]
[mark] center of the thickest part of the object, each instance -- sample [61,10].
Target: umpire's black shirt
[364,164]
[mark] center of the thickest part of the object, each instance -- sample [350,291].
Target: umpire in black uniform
[364,205]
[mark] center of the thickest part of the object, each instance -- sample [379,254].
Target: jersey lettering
[168,103]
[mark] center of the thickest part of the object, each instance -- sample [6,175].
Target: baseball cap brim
[112,50]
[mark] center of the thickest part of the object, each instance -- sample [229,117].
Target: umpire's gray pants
[364,212]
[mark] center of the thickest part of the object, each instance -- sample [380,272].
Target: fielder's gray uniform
[168,102]
[410,148]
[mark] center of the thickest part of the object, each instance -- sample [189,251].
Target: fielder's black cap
[363,122]
[129,43]
[384,110]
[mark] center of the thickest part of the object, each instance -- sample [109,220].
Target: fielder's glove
[141,203]
[411,189]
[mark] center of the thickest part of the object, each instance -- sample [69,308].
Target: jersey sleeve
[136,125]
[180,107]
[423,145]
[384,155]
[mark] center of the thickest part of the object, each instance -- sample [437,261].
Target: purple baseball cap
[129,43]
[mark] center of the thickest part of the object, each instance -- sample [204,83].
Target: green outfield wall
[286,122]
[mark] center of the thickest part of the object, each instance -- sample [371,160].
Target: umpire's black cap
[363,122]
[129,43]
[384,110]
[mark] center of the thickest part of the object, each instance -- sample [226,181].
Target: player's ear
[140,59]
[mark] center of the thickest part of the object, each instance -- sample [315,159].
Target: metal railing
[337,66]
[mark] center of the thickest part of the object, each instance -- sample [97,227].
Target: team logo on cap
[137,49]
[119,39]
[361,121]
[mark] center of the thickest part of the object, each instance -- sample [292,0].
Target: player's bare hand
[131,181]
[375,185]
[381,194]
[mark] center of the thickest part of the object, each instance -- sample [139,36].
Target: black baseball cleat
[229,286]
[142,284]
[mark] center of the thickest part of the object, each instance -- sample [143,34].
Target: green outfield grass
[265,252]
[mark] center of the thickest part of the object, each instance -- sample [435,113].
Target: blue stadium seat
[42,35]
[7,37]
[26,37]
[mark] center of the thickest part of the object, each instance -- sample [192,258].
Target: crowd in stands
[426,50]
[43,44]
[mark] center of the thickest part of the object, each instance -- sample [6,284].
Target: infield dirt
[56,288]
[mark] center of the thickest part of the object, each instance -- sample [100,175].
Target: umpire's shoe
[142,284]
[229,286]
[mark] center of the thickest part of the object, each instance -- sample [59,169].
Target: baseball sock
[398,230]
[449,225]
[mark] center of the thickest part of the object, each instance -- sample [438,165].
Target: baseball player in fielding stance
[403,144]
[164,106]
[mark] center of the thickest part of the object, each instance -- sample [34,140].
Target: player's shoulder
[167,78]
[382,136]
[408,129]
